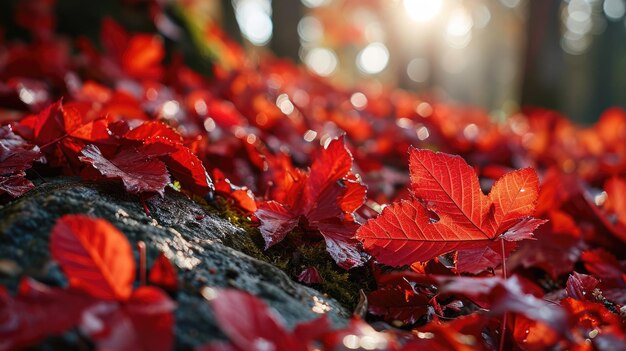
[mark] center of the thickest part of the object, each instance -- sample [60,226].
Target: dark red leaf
[16,155]
[398,303]
[249,324]
[580,286]
[507,296]
[556,250]
[310,276]
[139,173]
[15,185]
[145,322]
[37,312]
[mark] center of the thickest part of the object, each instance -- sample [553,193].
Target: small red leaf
[150,129]
[94,255]
[15,185]
[163,274]
[182,164]
[15,154]
[580,286]
[310,276]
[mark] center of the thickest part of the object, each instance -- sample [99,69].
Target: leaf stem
[141,247]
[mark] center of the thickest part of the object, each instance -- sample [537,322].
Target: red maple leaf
[325,198]
[138,172]
[449,212]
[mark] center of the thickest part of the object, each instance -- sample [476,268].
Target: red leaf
[449,212]
[150,129]
[276,222]
[94,255]
[556,250]
[142,57]
[139,173]
[15,185]
[37,312]
[249,324]
[145,322]
[241,196]
[182,164]
[616,201]
[584,317]
[325,197]
[310,276]
[506,296]
[611,273]
[580,286]
[163,274]
[398,301]
[16,155]
[151,312]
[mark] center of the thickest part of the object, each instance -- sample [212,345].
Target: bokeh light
[422,10]
[373,58]
[255,20]
[322,61]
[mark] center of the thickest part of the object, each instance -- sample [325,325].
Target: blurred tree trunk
[286,14]
[229,21]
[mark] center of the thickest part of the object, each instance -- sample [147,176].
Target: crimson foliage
[288,151]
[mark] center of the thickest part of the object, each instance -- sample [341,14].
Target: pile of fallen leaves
[538,263]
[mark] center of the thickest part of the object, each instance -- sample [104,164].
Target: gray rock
[189,235]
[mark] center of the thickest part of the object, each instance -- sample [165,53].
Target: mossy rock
[189,234]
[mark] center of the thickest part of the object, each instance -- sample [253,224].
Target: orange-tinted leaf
[616,199]
[94,255]
[153,129]
[449,212]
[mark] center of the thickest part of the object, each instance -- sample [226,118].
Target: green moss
[295,253]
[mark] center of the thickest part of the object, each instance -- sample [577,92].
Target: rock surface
[187,233]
